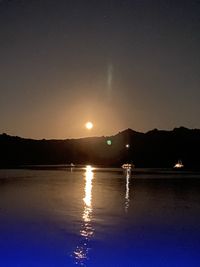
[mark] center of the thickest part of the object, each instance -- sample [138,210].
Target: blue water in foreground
[100,217]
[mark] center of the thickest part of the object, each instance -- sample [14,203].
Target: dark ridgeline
[152,149]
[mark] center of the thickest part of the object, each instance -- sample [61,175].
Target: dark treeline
[152,149]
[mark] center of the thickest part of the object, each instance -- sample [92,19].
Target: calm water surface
[100,217]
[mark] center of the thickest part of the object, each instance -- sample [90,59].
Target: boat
[128,166]
[179,165]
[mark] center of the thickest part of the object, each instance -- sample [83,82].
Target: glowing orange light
[89,125]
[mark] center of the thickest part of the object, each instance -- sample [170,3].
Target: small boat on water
[128,166]
[179,165]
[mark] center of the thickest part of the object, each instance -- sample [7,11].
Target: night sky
[121,64]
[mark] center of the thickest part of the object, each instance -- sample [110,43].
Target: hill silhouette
[156,148]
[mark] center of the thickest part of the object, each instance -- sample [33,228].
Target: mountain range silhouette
[156,148]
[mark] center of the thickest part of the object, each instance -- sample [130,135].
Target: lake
[99,217]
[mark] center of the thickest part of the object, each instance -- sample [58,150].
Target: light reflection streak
[127,198]
[87,231]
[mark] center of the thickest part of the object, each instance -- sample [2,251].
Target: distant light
[89,125]
[109,142]
[127,145]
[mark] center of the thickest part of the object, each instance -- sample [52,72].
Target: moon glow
[89,125]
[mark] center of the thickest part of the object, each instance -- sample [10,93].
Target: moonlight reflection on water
[87,231]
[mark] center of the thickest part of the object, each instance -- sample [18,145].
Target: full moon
[89,125]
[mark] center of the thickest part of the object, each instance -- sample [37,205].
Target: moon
[89,125]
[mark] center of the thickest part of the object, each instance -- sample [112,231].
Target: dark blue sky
[119,64]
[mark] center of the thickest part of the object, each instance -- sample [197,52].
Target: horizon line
[98,136]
